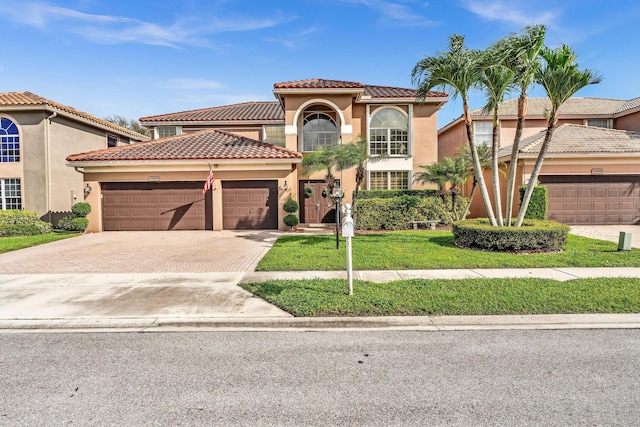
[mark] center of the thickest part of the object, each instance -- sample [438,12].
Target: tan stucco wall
[450,140]
[425,143]
[629,122]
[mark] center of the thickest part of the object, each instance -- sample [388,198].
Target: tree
[322,159]
[132,124]
[451,170]
[485,156]
[561,79]
[459,69]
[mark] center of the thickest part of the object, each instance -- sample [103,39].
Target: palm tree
[322,159]
[484,154]
[459,69]
[496,81]
[433,174]
[451,170]
[560,77]
[520,53]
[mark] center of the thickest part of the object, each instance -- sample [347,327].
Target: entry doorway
[318,208]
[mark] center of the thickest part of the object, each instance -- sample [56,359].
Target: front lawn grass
[419,297]
[418,250]
[8,244]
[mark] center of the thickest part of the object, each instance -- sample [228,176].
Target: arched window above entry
[319,131]
[389,133]
[9,141]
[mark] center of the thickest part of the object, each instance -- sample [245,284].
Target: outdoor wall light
[87,190]
[284,186]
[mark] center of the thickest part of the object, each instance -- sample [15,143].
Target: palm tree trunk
[495,173]
[473,193]
[515,151]
[533,179]
[477,168]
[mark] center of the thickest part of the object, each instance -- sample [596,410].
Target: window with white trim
[10,194]
[319,131]
[598,123]
[9,141]
[274,134]
[389,133]
[388,180]
[166,131]
[483,132]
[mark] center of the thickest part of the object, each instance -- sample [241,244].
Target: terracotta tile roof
[368,90]
[243,112]
[572,107]
[213,144]
[629,105]
[581,139]
[28,99]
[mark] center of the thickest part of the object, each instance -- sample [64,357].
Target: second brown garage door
[600,199]
[249,205]
[155,206]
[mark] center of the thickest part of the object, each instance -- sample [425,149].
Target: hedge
[537,208]
[22,223]
[396,213]
[533,235]
[387,194]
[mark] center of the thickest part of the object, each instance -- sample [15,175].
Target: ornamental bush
[534,235]
[22,223]
[291,206]
[81,209]
[77,221]
[537,208]
[387,194]
[291,220]
[396,213]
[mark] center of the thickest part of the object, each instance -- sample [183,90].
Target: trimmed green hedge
[537,208]
[534,235]
[396,213]
[22,223]
[77,221]
[387,194]
[81,209]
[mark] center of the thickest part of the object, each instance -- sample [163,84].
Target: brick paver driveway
[144,252]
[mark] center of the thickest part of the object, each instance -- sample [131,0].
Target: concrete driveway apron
[133,275]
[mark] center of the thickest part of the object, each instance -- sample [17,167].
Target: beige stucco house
[592,168]
[36,136]
[255,150]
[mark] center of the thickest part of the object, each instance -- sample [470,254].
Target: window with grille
[319,131]
[166,131]
[598,123]
[483,133]
[10,193]
[9,141]
[274,135]
[389,133]
[389,180]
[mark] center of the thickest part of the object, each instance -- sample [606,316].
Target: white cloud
[510,12]
[395,13]
[109,29]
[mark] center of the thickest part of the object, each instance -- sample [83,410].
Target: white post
[348,232]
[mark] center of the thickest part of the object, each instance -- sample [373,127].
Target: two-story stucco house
[36,136]
[255,150]
[592,168]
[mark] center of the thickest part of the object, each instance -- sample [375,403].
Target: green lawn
[451,297]
[8,244]
[416,250]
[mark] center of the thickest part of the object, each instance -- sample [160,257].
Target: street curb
[397,323]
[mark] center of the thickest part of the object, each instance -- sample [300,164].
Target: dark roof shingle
[243,112]
[213,144]
[374,91]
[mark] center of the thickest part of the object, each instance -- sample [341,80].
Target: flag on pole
[209,181]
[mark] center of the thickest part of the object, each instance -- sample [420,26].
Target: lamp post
[337,199]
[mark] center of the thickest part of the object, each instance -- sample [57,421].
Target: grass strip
[417,297]
[8,244]
[418,250]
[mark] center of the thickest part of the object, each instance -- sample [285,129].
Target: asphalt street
[373,378]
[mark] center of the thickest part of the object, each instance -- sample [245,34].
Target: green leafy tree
[130,124]
[320,160]
[451,170]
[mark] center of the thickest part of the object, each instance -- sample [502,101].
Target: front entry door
[316,209]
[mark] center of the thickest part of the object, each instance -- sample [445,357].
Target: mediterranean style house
[255,151]
[36,136]
[592,168]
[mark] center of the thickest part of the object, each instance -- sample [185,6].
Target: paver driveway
[144,252]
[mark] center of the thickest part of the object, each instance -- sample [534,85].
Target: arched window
[9,141]
[389,133]
[319,131]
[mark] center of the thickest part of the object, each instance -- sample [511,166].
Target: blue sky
[146,57]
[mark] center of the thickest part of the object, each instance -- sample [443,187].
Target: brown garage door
[155,206]
[249,205]
[598,199]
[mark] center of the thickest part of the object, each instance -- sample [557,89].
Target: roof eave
[211,122]
[102,163]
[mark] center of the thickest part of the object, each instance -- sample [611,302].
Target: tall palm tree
[433,174]
[521,54]
[496,80]
[322,159]
[484,154]
[459,69]
[560,77]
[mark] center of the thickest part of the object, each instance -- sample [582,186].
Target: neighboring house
[255,150]
[36,136]
[592,168]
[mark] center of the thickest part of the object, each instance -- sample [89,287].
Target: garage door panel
[250,204]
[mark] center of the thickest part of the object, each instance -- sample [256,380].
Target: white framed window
[273,134]
[319,130]
[10,194]
[389,133]
[599,123]
[9,141]
[388,180]
[166,131]
[483,132]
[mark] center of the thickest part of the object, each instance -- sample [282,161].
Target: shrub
[81,209]
[397,212]
[291,220]
[291,206]
[534,235]
[387,194]
[73,224]
[537,208]
[22,223]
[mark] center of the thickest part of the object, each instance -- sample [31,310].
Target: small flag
[209,182]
